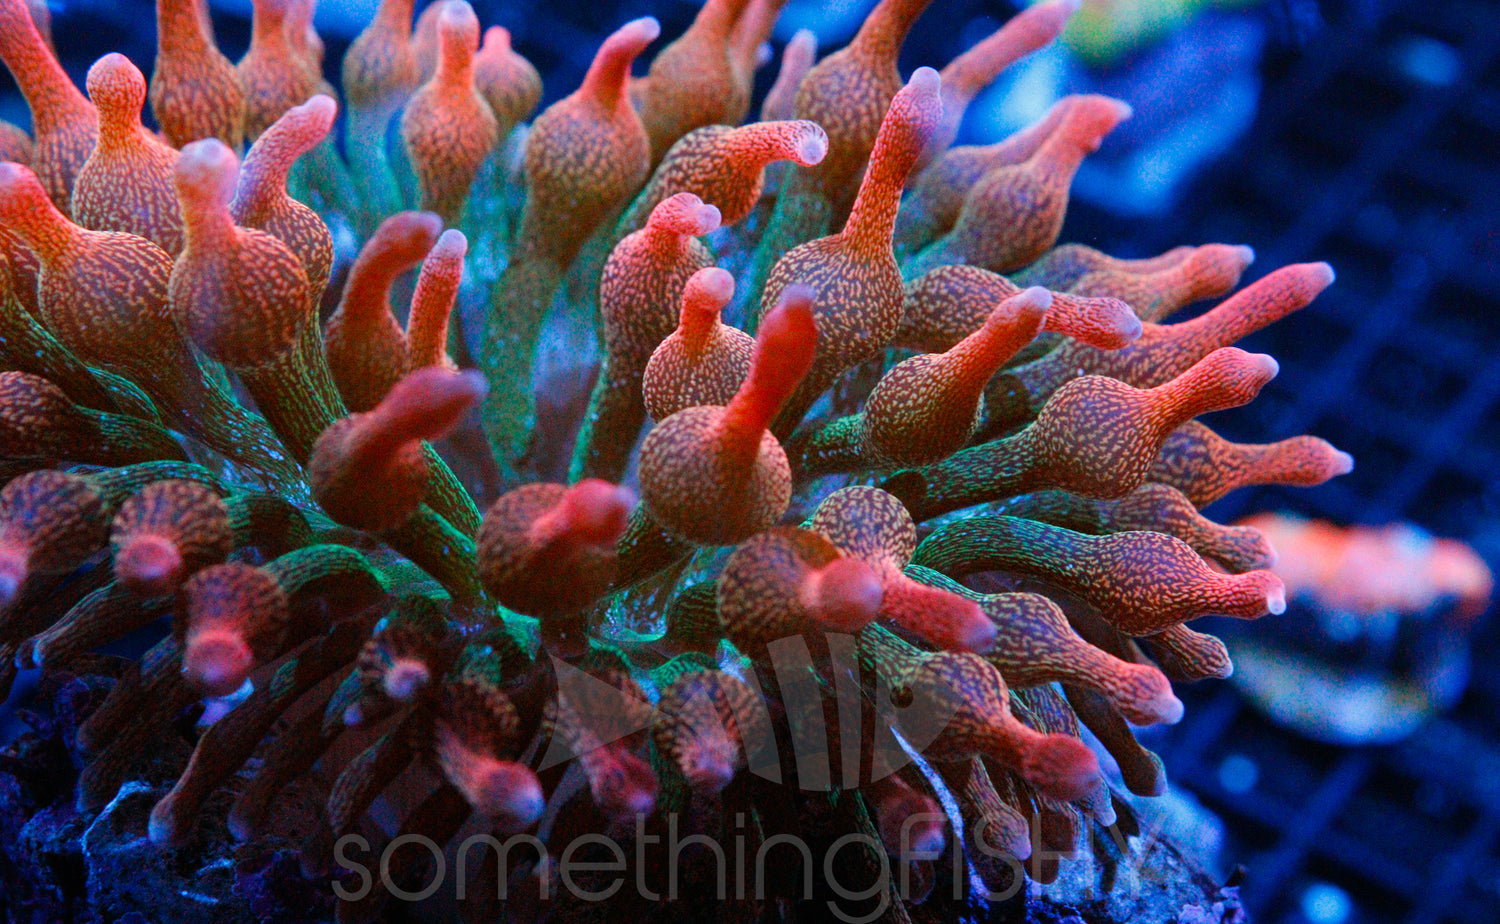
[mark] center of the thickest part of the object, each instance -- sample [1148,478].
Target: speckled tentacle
[231,740]
[432,302]
[853,274]
[65,124]
[640,296]
[107,614]
[937,193]
[549,551]
[275,78]
[993,828]
[27,346]
[1207,272]
[1126,427]
[1205,466]
[195,90]
[1188,655]
[507,81]
[872,526]
[166,532]
[49,524]
[692,81]
[379,76]
[1141,582]
[977,67]
[1035,645]
[960,704]
[126,183]
[585,157]
[704,361]
[1165,350]
[1014,213]
[716,475]
[382,449]
[797,58]
[1142,770]
[788,582]
[366,349]
[847,93]
[447,127]
[926,408]
[947,304]
[37,420]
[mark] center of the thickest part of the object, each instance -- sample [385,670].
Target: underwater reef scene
[712,514]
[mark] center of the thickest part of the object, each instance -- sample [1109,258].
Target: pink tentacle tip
[708,290]
[1033,301]
[452,244]
[1276,598]
[812,150]
[458,18]
[320,111]
[925,85]
[149,565]
[208,169]
[217,660]
[844,594]
[1340,463]
[685,213]
[1062,766]
[405,678]
[591,512]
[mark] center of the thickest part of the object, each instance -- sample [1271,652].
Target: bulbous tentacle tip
[498,36]
[1168,709]
[592,512]
[627,788]
[843,595]
[442,396]
[149,566]
[452,243]
[518,800]
[458,17]
[1267,365]
[20,188]
[115,83]
[319,109]
[217,661]
[709,289]
[1062,767]
[207,169]
[1276,599]
[638,33]
[1033,301]
[976,632]
[685,213]
[1340,463]
[1324,273]
[405,679]
[812,149]
[791,320]
[708,769]
[1246,255]
[925,83]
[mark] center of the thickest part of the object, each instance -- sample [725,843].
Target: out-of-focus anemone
[930,399]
